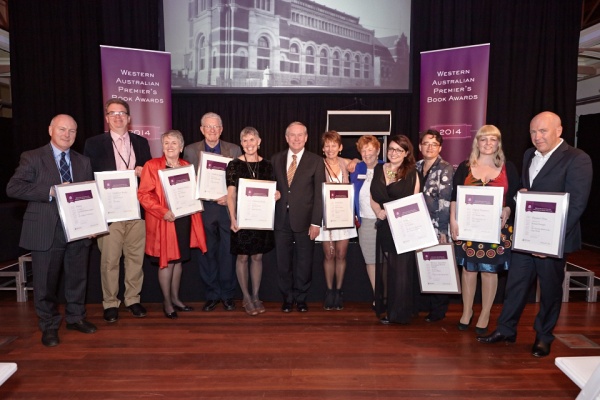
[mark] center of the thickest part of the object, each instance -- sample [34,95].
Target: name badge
[362,176]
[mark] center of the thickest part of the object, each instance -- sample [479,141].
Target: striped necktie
[292,170]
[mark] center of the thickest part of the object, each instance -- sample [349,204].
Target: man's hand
[138,171]
[313,232]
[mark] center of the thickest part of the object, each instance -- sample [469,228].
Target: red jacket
[161,238]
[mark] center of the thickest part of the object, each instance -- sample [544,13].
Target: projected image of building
[287,43]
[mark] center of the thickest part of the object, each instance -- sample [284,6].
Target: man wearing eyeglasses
[217,269]
[117,150]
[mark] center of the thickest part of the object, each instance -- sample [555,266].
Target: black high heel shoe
[172,315]
[183,308]
[464,327]
[481,331]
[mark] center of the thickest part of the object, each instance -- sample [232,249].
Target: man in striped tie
[298,215]
[52,256]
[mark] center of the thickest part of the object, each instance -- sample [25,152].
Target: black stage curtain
[589,141]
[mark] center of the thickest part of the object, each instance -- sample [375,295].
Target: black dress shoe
[286,307]
[385,320]
[50,338]
[183,309]
[83,326]
[111,314]
[496,337]
[302,307]
[210,305]
[434,318]
[171,315]
[540,349]
[229,304]
[137,310]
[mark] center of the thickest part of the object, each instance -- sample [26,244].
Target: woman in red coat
[168,239]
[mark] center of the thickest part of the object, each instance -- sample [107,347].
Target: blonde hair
[487,130]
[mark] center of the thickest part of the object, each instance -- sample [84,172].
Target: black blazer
[99,149]
[304,197]
[36,174]
[567,170]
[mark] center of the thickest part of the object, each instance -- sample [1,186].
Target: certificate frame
[410,223]
[179,185]
[81,210]
[338,205]
[118,193]
[256,204]
[540,223]
[479,212]
[211,180]
[437,269]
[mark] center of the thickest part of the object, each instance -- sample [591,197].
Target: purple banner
[338,194]
[257,192]
[454,87]
[176,179]
[116,183]
[434,255]
[79,196]
[220,166]
[143,79]
[540,206]
[406,210]
[479,199]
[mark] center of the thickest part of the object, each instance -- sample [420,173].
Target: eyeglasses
[115,113]
[398,150]
[212,127]
[432,145]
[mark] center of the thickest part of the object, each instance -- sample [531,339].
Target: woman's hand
[504,216]
[453,229]
[443,239]
[381,214]
[169,216]
[234,226]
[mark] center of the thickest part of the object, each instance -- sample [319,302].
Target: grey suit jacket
[567,170]
[191,153]
[36,174]
[304,196]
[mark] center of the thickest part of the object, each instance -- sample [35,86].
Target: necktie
[65,173]
[292,170]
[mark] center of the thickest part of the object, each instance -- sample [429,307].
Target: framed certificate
[118,193]
[410,223]
[256,204]
[80,209]
[437,269]
[540,223]
[338,205]
[179,187]
[211,183]
[478,212]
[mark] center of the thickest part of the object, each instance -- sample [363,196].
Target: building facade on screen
[287,43]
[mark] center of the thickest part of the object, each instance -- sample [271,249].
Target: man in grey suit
[217,268]
[38,171]
[552,166]
[298,215]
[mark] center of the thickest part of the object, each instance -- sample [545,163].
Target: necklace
[253,171]
[173,165]
[391,174]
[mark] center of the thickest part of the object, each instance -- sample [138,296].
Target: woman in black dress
[396,284]
[247,243]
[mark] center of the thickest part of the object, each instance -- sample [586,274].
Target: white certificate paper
[80,209]
[478,212]
[437,270]
[540,222]
[256,204]
[118,192]
[179,187]
[211,183]
[410,223]
[338,205]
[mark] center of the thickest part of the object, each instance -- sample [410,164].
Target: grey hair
[174,133]
[249,130]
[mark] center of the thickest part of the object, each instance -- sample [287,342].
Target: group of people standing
[299,174]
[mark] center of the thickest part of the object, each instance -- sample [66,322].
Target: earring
[340,153]
[259,146]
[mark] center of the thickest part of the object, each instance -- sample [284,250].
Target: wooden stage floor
[317,355]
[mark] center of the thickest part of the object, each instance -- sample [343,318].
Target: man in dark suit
[33,181]
[119,150]
[217,267]
[298,215]
[552,166]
